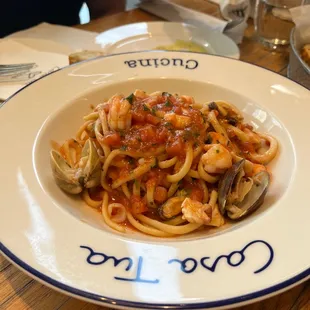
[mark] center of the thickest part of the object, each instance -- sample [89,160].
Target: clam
[171,208]
[86,174]
[240,196]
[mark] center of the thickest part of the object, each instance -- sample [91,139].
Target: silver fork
[15,72]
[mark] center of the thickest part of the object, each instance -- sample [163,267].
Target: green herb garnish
[155,164]
[209,140]
[168,104]
[146,108]
[166,94]
[131,98]
[153,111]
[123,147]
[168,124]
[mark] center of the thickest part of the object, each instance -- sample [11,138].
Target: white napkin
[26,46]
[75,38]
[174,12]
[12,52]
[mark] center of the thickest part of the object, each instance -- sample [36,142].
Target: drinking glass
[273,23]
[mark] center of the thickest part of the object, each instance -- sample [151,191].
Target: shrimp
[119,117]
[217,159]
[196,212]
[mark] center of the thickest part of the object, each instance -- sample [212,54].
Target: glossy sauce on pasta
[156,162]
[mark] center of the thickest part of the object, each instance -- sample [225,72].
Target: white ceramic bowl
[66,245]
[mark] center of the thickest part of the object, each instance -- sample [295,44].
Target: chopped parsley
[166,94]
[168,125]
[131,98]
[131,161]
[187,135]
[122,133]
[146,108]
[155,164]
[153,111]
[123,147]
[217,151]
[203,117]
[209,140]
[185,192]
[168,104]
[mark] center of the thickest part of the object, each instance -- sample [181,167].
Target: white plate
[148,36]
[65,244]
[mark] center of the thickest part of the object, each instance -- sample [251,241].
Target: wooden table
[19,292]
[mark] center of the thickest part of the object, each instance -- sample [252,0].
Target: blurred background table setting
[208,23]
[273,34]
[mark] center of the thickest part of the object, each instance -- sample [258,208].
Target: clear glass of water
[273,23]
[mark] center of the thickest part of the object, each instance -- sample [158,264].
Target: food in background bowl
[187,46]
[305,54]
[84,55]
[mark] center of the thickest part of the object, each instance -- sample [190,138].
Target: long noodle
[177,230]
[168,163]
[145,229]
[89,201]
[173,178]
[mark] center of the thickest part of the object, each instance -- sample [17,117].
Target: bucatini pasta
[165,164]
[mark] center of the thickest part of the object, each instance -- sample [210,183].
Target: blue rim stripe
[131,304]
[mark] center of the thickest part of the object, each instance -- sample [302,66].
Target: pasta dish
[164,164]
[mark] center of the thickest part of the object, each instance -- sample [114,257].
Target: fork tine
[12,73]
[7,66]
[15,69]
[7,70]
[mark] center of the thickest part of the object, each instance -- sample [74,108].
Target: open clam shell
[65,176]
[226,183]
[87,174]
[252,200]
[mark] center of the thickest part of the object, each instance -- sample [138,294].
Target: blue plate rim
[107,301]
